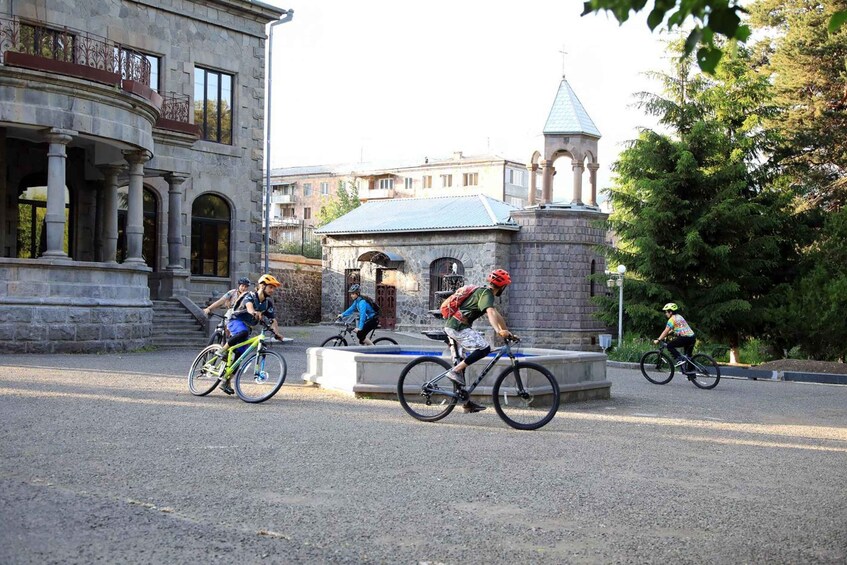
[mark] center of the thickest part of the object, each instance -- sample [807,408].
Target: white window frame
[386,184]
[324,189]
[470,179]
[427,181]
[408,183]
[446,181]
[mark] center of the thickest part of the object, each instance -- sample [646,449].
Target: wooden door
[386,298]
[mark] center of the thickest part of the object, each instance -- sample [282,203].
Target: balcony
[66,51]
[378,193]
[176,112]
[283,199]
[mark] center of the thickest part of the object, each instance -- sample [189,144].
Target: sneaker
[456,377]
[471,407]
[226,388]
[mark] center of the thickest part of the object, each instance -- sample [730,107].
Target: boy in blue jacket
[368,320]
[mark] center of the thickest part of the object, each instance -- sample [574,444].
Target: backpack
[372,303]
[450,306]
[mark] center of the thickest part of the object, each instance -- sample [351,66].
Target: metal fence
[294,237]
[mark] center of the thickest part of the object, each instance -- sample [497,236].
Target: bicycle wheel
[384,341]
[334,341]
[428,404]
[656,367]
[260,376]
[706,372]
[526,396]
[202,378]
[217,337]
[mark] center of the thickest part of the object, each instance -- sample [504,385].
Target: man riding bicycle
[247,313]
[229,298]
[473,343]
[368,320]
[683,334]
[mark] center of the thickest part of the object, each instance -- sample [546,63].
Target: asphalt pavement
[108,458]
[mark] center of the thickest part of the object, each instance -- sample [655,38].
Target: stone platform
[372,372]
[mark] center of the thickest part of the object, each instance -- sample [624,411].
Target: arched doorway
[210,231]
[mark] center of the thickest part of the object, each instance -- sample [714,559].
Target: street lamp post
[286,17]
[616,279]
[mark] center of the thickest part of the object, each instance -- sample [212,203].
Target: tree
[710,19]
[696,221]
[346,199]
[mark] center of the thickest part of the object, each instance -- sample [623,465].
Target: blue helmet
[354,288]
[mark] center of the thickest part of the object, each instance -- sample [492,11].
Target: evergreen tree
[695,221]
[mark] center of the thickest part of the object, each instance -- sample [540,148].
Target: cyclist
[248,310]
[229,297]
[480,302]
[683,334]
[368,320]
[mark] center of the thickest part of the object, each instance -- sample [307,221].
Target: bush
[631,350]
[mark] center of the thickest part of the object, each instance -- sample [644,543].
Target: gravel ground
[108,458]
[804,366]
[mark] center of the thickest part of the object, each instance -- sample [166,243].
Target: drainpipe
[286,17]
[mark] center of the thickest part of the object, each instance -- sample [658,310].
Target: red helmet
[499,277]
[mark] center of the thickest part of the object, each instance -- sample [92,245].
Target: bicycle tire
[384,341]
[526,396]
[334,341]
[414,400]
[200,381]
[217,337]
[260,376]
[657,367]
[707,374]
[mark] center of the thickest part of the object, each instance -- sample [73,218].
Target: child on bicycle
[368,320]
[248,311]
[683,334]
[458,327]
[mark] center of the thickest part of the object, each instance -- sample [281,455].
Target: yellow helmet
[269,280]
[671,306]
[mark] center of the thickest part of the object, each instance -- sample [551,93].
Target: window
[213,105]
[351,276]
[408,183]
[284,190]
[427,181]
[324,188]
[49,43]
[210,219]
[444,279]
[32,215]
[446,181]
[470,179]
[385,184]
[516,202]
[307,213]
[148,241]
[288,212]
[307,189]
[515,177]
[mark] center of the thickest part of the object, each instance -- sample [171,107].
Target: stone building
[402,250]
[131,137]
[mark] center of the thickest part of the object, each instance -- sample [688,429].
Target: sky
[379,80]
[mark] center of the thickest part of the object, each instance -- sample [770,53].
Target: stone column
[175,220]
[532,168]
[578,169]
[135,205]
[98,223]
[55,218]
[546,181]
[592,179]
[109,228]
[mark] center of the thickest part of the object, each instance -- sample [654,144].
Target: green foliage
[631,350]
[345,200]
[695,221]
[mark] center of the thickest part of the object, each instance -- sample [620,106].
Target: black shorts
[367,328]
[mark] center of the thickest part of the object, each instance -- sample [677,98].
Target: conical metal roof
[568,115]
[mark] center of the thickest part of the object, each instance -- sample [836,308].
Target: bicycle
[525,395]
[658,368]
[259,372]
[219,335]
[349,330]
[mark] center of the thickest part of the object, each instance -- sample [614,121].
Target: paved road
[109,458]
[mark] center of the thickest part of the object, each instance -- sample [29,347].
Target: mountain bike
[348,331]
[259,372]
[525,395]
[658,368]
[219,335]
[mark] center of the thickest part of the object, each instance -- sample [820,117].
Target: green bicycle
[259,372]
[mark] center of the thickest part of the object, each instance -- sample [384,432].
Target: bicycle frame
[663,346]
[505,349]
[256,343]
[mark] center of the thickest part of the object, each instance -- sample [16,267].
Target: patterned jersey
[679,326]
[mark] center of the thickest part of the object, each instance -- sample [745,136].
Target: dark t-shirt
[472,308]
[265,306]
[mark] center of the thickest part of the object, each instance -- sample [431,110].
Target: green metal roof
[449,213]
[568,114]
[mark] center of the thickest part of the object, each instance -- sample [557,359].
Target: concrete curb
[760,374]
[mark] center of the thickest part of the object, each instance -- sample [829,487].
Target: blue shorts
[235,327]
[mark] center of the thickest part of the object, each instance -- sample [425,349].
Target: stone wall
[67,307]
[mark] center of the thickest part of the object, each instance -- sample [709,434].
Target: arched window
[210,236]
[445,276]
[149,249]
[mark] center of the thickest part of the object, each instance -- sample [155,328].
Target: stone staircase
[174,326]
